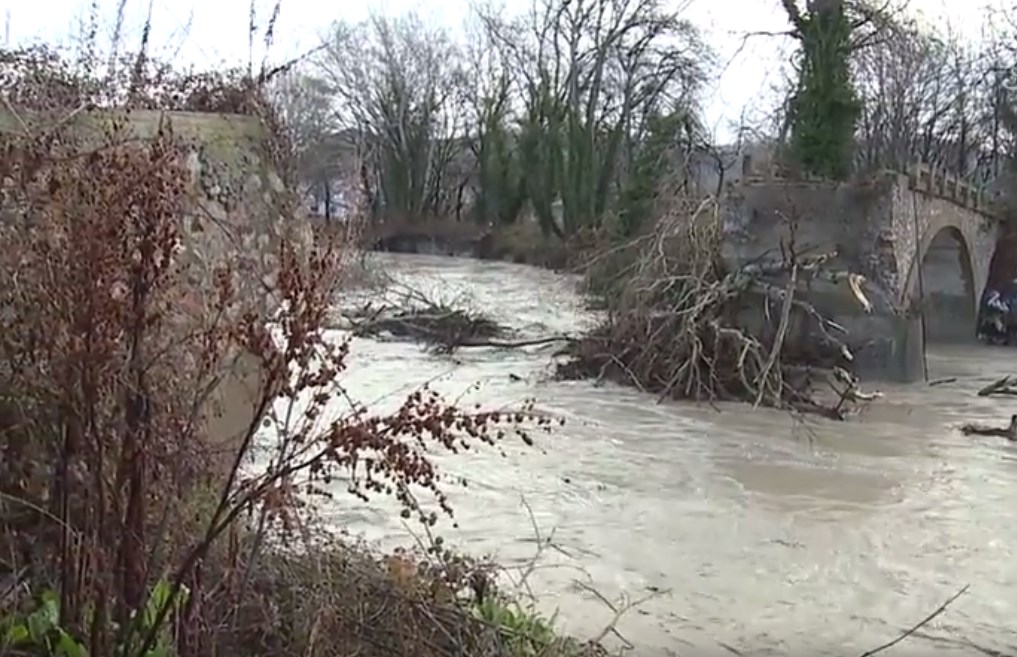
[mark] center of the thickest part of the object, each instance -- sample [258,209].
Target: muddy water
[764,535]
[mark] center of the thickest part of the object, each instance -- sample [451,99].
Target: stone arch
[943,286]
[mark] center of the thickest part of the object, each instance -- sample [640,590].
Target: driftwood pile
[680,324]
[444,326]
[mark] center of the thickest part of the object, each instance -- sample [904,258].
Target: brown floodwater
[753,531]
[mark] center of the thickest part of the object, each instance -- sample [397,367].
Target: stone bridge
[924,241]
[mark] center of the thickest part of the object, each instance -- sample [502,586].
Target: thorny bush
[114,342]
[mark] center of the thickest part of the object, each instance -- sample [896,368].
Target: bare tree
[593,75]
[1000,83]
[925,97]
[397,85]
[305,104]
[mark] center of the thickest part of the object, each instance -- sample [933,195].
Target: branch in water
[1009,432]
[442,325]
[922,623]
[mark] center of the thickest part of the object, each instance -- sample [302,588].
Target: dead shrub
[118,330]
[682,322]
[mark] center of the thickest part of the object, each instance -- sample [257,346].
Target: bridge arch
[943,286]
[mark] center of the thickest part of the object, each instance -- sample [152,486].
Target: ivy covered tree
[499,183]
[825,107]
[588,77]
[396,83]
[652,162]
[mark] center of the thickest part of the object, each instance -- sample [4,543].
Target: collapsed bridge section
[922,241]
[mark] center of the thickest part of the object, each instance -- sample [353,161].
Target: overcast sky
[206,33]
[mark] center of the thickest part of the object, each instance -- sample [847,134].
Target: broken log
[1006,386]
[1010,432]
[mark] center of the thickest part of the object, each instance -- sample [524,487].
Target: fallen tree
[445,326]
[682,323]
[1005,387]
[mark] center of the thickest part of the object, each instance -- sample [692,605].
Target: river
[763,534]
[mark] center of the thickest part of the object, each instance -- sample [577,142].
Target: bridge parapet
[927,179]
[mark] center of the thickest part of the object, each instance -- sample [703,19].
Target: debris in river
[446,326]
[914,629]
[1009,432]
[1007,386]
[680,323]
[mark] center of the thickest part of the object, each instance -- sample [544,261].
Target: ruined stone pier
[924,242]
[235,211]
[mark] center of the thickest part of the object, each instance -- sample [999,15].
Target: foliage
[591,77]
[337,598]
[527,633]
[124,324]
[824,108]
[39,631]
[304,102]
[653,164]
[396,81]
[500,178]
[543,114]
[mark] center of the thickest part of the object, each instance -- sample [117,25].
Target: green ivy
[527,633]
[650,167]
[39,632]
[825,110]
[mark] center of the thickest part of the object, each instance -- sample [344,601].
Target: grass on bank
[330,597]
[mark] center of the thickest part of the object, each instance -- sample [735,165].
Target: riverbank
[340,597]
[519,243]
[331,596]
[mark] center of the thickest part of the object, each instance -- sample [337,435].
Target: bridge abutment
[924,244]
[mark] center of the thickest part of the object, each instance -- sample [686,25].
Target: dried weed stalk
[116,337]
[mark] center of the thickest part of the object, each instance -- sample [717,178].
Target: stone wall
[875,229]
[234,213]
[237,215]
[762,217]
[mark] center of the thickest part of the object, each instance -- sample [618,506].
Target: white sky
[209,32]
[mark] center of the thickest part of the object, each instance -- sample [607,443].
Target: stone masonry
[234,213]
[876,228]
